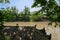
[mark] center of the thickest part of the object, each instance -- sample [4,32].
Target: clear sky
[20,4]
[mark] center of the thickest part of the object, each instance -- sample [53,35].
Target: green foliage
[4,1]
[11,14]
[26,13]
[36,17]
[50,7]
[2,37]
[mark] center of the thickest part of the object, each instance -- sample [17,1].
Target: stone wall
[25,33]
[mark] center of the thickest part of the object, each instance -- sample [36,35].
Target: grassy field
[49,29]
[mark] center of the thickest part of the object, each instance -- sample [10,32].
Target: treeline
[12,14]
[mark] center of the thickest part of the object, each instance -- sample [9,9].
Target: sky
[20,4]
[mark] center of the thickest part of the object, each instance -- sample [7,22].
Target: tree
[4,1]
[14,12]
[11,14]
[7,13]
[2,37]
[36,16]
[26,13]
[50,7]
